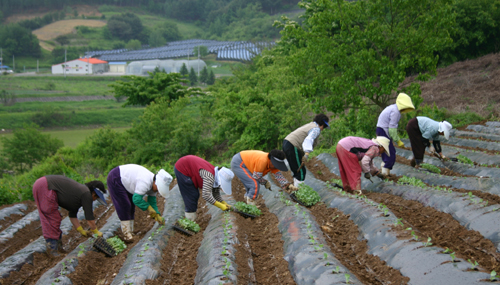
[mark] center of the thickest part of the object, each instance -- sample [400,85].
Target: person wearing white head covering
[127,185]
[422,130]
[355,156]
[193,173]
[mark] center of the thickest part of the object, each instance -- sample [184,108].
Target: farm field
[53,30]
[70,138]
[416,227]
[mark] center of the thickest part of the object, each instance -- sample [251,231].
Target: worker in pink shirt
[353,150]
[250,166]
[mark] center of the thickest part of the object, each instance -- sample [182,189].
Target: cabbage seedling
[428,243]
[473,265]
[493,275]
[347,276]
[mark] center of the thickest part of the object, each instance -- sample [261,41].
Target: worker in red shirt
[194,173]
[250,166]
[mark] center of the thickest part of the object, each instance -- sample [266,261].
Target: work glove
[154,215]
[268,186]
[82,231]
[432,149]
[227,205]
[291,188]
[367,175]
[96,232]
[380,175]
[401,143]
[221,206]
[305,158]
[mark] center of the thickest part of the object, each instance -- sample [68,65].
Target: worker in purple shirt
[387,126]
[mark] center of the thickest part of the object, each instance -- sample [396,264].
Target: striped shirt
[208,192]
[281,179]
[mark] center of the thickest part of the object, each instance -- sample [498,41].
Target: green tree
[156,39]
[354,54]
[126,27]
[202,49]
[142,91]
[29,146]
[211,78]
[133,45]
[192,77]
[184,71]
[204,75]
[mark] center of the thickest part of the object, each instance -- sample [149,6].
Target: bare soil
[471,85]
[5,223]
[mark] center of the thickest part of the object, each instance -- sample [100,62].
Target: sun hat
[100,196]
[384,142]
[279,163]
[445,127]
[163,180]
[223,177]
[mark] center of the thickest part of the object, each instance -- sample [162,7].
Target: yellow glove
[159,219]
[82,231]
[225,203]
[221,206]
[97,232]
[151,211]
[401,143]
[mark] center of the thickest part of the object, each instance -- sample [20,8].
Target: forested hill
[201,10]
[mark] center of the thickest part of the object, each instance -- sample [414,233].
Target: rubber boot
[190,216]
[418,162]
[250,201]
[51,247]
[386,171]
[126,229]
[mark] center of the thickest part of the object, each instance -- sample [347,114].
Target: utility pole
[1,56]
[13,64]
[64,65]
[37,66]
[188,57]
[198,61]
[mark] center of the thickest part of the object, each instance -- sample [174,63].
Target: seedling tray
[103,246]
[246,215]
[182,230]
[295,199]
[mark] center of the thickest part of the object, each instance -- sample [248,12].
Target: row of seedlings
[143,260]
[421,262]
[217,254]
[309,260]
[25,255]
[469,211]
[58,273]
[454,222]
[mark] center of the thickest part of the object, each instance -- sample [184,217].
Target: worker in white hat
[355,156]
[194,173]
[422,130]
[127,186]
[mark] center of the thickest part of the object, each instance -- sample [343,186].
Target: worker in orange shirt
[250,166]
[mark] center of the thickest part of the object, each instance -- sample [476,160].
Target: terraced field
[416,227]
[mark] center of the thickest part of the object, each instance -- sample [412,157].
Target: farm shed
[117,67]
[81,66]
[169,65]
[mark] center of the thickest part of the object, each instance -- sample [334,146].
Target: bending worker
[299,143]
[250,166]
[128,184]
[420,131]
[353,150]
[193,173]
[387,126]
[52,191]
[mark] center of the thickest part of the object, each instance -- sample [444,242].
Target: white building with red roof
[81,66]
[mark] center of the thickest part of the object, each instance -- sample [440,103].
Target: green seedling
[386,212]
[347,277]
[333,219]
[465,159]
[189,225]
[493,276]
[473,265]
[117,244]
[307,195]
[336,270]
[431,167]
[398,222]
[128,275]
[428,243]
[325,256]
[452,255]
[411,181]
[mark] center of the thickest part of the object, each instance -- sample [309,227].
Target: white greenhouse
[169,65]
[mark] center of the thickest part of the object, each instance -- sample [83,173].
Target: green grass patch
[36,86]
[29,62]
[71,138]
[61,106]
